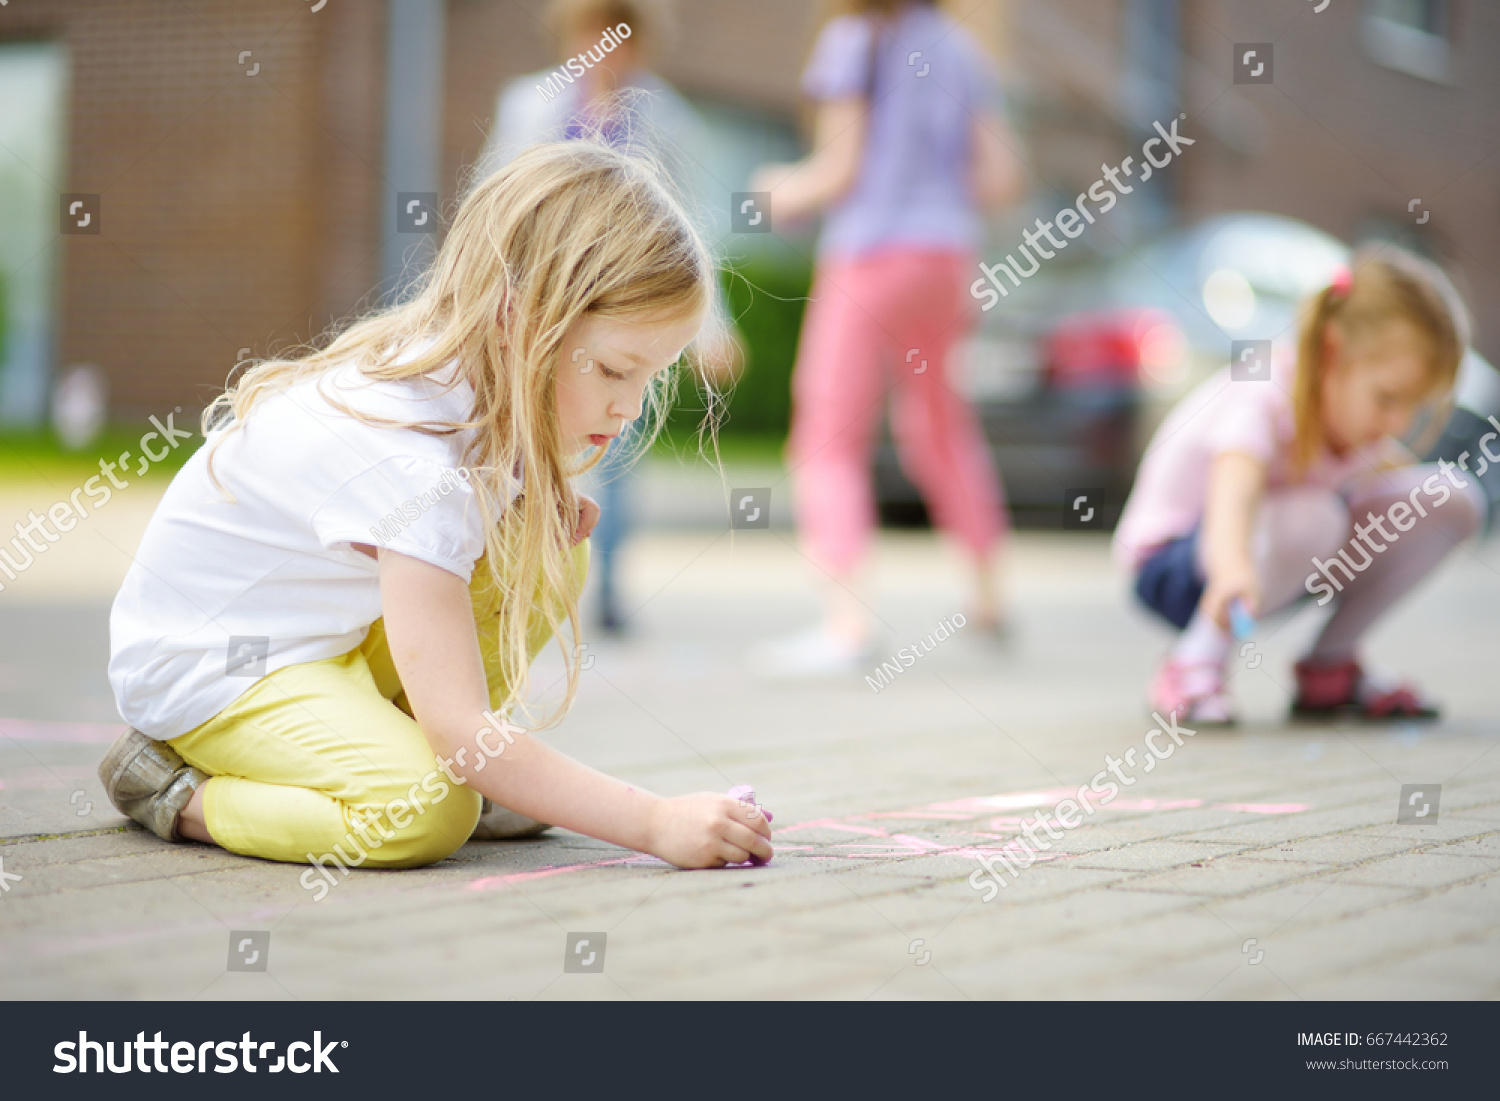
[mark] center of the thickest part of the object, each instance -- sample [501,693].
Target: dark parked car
[1070,392]
[1063,422]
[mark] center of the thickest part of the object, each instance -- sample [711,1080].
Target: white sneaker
[811,654]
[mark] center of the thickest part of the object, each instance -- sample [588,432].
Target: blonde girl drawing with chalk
[328,627]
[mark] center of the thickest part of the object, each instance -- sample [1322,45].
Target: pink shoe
[1194,692]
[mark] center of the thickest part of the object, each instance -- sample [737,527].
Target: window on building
[1411,36]
[33,82]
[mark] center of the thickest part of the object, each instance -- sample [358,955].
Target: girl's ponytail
[1382,284]
[1306,405]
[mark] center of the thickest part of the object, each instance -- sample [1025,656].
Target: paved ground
[1263,863]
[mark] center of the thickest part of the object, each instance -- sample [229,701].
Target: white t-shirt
[224,592]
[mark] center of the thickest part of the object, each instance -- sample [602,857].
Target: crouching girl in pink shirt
[1265,491]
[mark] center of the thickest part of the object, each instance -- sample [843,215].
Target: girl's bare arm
[825,176]
[1236,482]
[430,627]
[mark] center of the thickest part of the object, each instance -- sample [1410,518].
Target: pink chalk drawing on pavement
[966,827]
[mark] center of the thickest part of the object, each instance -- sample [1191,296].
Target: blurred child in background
[910,147]
[1265,492]
[616,96]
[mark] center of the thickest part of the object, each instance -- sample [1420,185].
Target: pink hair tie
[1343,282]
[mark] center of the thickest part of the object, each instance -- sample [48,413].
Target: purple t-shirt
[929,81]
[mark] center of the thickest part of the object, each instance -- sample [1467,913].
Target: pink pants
[906,307]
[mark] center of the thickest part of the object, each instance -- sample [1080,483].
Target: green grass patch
[39,456]
[766,299]
[681,445]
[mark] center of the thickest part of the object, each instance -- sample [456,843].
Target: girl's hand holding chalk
[1232,585]
[706,830]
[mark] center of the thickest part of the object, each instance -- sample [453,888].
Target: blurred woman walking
[910,147]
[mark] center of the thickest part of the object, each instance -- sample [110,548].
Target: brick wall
[243,212]
[1343,143]
[237,211]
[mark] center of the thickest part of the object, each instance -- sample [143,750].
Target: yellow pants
[309,762]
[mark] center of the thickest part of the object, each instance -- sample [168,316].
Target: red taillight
[1109,349]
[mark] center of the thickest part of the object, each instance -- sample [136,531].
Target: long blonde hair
[565,229]
[1383,284]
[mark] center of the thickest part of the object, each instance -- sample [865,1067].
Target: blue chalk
[1241,622]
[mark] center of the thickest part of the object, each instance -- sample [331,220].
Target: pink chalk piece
[745,793]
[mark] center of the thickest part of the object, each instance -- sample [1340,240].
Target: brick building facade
[1355,146]
[237,147]
[237,204]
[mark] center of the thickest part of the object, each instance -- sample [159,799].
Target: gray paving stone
[1157,856]
[1421,870]
[1397,984]
[1166,938]
[1484,812]
[1350,847]
[1228,876]
[1371,941]
[1310,903]
[1484,847]
[1294,826]
[1045,973]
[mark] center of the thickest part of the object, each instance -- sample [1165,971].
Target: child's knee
[444,828]
[1313,520]
[415,828]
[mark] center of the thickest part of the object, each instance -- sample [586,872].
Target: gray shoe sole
[149,781]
